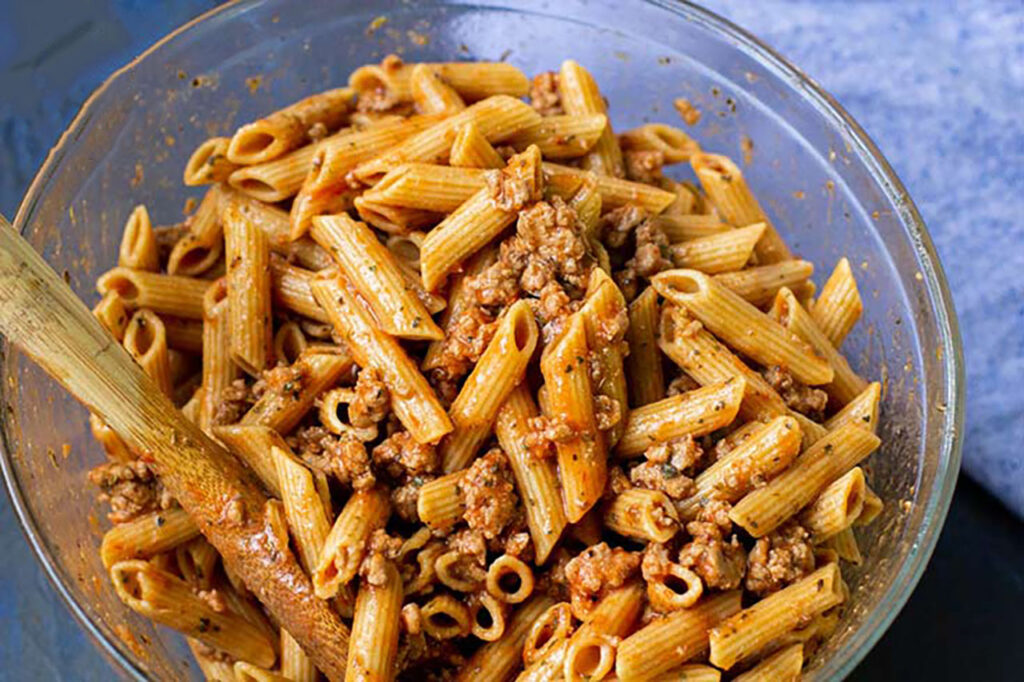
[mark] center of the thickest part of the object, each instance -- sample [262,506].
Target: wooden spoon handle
[42,316]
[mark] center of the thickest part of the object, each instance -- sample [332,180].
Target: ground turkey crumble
[544,95]
[808,401]
[638,243]
[233,402]
[518,184]
[719,563]
[343,457]
[371,401]
[644,165]
[400,455]
[489,492]
[780,558]
[595,571]
[669,467]
[132,489]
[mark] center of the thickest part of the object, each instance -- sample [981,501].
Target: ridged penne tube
[164,294]
[787,311]
[286,129]
[345,546]
[169,601]
[749,631]
[838,306]
[290,290]
[392,219]
[498,661]
[663,594]
[708,361]
[213,668]
[427,186]
[765,509]
[203,245]
[111,313]
[445,617]
[289,342]
[765,452]
[782,666]
[302,506]
[138,243]
[146,341]
[373,651]
[500,369]
[470,149]
[723,182]
[583,459]
[862,410]
[665,643]
[873,506]
[603,307]
[695,413]
[510,579]
[722,252]
[691,672]
[742,326]
[551,627]
[587,203]
[475,222]
[440,503]
[197,561]
[837,507]
[845,545]
[580,96]
[190,410]
[252,444]
[274,223]
[536,479]
[562,137]
[219,370]
[373,271]
[283,408]
[247,251]
[389,83]
[758,285]
[643,514]
[209,163]
[412,399]
[327,187]
[112,444]
[487,615]
[645,375]
[590,657]
[146,536]
[183,335]
[406,248]
[247,672]
[276,180]
[431,94]
[497,117]
[614,616]
[680,227]
[672,142]
[615,192]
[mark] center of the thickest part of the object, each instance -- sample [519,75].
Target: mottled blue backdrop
[938,85]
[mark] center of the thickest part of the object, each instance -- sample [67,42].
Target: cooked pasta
[522,405]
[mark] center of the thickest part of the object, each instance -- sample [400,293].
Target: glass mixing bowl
[823,181]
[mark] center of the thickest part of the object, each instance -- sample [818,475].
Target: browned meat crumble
[719,563]
[595,571]
[780,558]
[131,488]
[490,493]
[544,95]
[808,401]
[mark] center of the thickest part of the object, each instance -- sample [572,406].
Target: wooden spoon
[42,316]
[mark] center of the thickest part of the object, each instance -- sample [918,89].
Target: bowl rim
[934,281]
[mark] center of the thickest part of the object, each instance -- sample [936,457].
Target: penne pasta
[862,410]
[765,509]
[209,163]
[163,294]
[146,341]
[723,182]
[412,398]
[470,149]
[562,137]
[500,369]
[746,633]
[373,651]
[582,459]
[782,666]
[431,94]
[837,507]
[646,377]
[345,546]
[111,313]
[602,311]
[742,326]
[303,507]
[440,503]
[642,514]
[695,413]
[138,243]
[615,192]
[839,306]
[247,250]
[758,285]
[580,97]
[675,145]
[389,83]
[536,479]
[371,268]
[499,660]
[722,252]
[681,227]
[147,536]
[219,370]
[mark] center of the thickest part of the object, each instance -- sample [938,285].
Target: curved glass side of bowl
[825,185]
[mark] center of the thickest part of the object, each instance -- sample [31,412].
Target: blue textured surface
[938,85]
